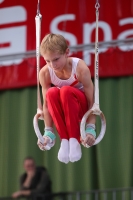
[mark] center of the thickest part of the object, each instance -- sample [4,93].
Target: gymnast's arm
[84,76]
[45,82]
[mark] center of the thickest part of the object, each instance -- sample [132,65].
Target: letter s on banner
[54,28]
[14,36]
[127,33]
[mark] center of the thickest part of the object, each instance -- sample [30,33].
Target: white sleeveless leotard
[72,81]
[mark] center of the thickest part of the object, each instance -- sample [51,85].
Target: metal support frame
[77,48]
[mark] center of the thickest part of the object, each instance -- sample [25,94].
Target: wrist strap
[91,126]
[50,134]
[91,131]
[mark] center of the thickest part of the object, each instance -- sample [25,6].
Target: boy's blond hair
[53,43]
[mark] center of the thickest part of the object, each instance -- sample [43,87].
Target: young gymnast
[68,94]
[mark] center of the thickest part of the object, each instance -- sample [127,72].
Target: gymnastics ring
[94,110]
[36,128]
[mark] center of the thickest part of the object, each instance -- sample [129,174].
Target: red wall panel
[76,21]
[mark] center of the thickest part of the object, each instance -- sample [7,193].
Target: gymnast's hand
[46,143]
[89,140]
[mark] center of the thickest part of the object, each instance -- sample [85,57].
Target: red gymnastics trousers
[67,107]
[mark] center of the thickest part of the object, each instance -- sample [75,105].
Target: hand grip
[103,124]
[37,131]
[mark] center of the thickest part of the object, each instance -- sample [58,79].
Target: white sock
[75,150]
[63,154]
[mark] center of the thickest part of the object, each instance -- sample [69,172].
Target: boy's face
[55,60]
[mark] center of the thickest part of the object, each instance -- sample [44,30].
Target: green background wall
[107,165]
